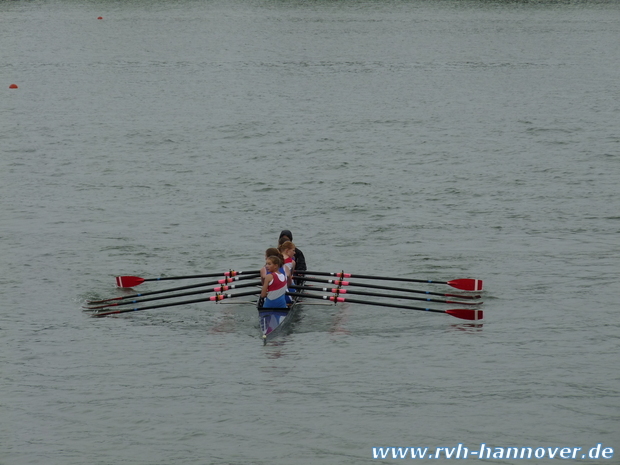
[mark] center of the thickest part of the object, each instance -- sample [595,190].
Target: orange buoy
[13,86]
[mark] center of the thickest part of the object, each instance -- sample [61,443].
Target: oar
[182,288]
[131,281]
[463,313]
[462,284]
[339,282]
[173,296]
[338,291]
[213,298]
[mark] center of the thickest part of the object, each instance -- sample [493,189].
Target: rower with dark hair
[268,253]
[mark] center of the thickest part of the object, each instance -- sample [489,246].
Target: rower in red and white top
[287,249]
[275,284]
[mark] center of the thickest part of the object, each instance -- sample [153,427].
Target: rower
[268,253]
[287,249]
[273,294]
[300,260]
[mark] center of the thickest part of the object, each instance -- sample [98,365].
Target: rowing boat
[274,321]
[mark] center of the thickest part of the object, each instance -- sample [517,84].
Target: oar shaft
[364,302]
[214,298]
[339,291]
[132,281]
[343,275]
[463,284]
[339,282]
[174,296]
[182,288]
[198,276]
[462,313]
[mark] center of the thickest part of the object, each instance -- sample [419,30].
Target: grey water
[423,139]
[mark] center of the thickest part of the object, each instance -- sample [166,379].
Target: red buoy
[100,17]
[13,86]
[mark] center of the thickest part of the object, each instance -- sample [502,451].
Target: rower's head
[273,263]
[287,247]
[273,251]
[285,233]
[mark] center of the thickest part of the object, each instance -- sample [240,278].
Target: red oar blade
[466,284]
[128,281]
[466,314]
